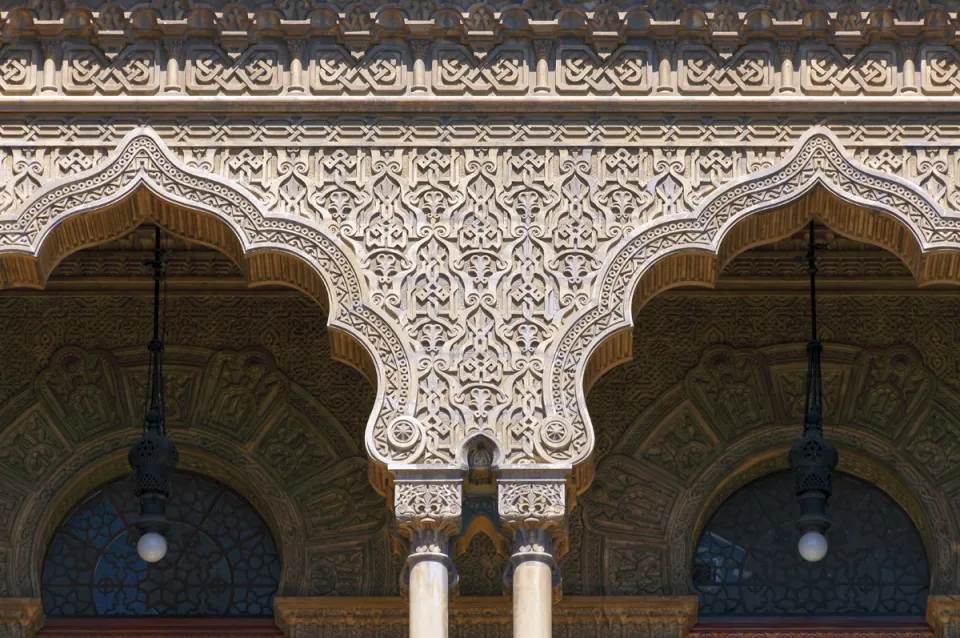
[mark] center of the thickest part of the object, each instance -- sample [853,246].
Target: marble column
[430,575]
[532,506]
[534,569]
[428,510]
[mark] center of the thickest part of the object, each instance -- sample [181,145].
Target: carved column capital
[173,49]
[50,48]
[532,498]
[20,617]
[943,615]
[427,500]
[532,507]
[542,48]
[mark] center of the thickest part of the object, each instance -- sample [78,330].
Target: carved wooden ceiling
[253,395]
[710,401]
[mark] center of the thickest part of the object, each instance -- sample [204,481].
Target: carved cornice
[812,628]
[662,617]
[417,53]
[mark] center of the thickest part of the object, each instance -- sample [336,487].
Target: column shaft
[429,584]
[532,599]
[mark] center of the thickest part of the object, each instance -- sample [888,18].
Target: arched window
[221,560]
[746,562]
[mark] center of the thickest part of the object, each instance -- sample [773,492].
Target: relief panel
[504,71]
[83,390]
[682,444]
[825,71]
[381,70]
[258,70]
[730,388]
[627,71]
[18,69]
[134,71]
[632,569]
[749,71]
[31,447]
[243,388]
[626,498]
[888,389]
[935,444]
[341,502]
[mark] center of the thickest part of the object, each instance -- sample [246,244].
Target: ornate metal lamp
[154,456]
[813,457]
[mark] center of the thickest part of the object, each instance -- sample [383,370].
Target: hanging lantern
[813,457]
[154,456]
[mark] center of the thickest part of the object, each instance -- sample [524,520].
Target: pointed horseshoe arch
[143,173]
[690,249]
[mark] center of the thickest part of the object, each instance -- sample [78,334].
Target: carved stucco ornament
[480,299]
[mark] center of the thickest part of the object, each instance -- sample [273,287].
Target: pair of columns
[531,509]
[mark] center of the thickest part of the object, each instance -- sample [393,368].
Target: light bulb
[812,546]
[152,547]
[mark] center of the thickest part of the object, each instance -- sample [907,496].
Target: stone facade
[478,199]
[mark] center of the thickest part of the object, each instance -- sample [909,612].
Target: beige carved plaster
[487,53]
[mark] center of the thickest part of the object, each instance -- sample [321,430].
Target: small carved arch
[104,460]
[143,179]
[758,208]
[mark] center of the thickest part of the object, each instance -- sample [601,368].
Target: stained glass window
[746,562]
[221,559]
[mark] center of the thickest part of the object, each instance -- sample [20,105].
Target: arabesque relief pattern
[499,269]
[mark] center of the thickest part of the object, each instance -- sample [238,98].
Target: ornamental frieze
[422,50]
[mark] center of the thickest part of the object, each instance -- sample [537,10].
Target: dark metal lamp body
[154,457]
[813,458]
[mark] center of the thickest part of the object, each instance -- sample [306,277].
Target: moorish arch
[718,378]
[143,179]
[731,420]
[286,454]
[818,179]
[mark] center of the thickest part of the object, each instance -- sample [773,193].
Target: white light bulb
[812,546]
[152,547]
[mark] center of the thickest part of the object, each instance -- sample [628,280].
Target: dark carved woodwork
[160,627]
[811,629]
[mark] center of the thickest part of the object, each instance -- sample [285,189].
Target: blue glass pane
[221,559]
[746,562]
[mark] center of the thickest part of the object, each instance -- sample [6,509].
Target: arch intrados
[287,535]
[261,267]
[700,267]
[853,461]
